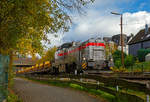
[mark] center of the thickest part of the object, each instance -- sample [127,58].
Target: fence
[4,62]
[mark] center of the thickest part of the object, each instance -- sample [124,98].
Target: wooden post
[75,72]
[148,87]
[98,83]
[147,98]
[142,69]
[81,79]
[117,88]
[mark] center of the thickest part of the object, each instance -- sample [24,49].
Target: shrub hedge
[142,53]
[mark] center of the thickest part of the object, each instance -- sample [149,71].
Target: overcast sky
[98,22]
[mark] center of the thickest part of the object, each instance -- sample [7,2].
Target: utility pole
[121,37]
[122,42]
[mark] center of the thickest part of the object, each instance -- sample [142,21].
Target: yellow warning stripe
[84,65]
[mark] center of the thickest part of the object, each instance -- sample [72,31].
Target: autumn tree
[110,48]
[49,55]
[25,23]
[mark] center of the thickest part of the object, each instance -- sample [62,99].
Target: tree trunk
[10,70]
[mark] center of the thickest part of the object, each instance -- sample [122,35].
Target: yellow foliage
[121,69]
[110,48]
[48,56]
[111,68]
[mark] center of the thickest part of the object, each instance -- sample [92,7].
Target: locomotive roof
[66,45]
[69,44]
[93,40]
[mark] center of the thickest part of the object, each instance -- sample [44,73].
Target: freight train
[75,57]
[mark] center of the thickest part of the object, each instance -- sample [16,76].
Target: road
[30,91]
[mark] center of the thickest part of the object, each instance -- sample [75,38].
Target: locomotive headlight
[84,58]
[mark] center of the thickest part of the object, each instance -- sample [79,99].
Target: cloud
[55,41]
[94,24]
[135,21]
[99,22]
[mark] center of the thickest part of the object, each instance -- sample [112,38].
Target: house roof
[140,37]
[107,39]
[116,39]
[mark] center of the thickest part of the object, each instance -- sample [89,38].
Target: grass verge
[12,97]
[142,95]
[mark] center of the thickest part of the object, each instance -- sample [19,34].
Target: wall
[146,44]
[4,61]
[125,49]
[133,49]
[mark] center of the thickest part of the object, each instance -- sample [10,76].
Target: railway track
[111,74]
[136,78]
[130,76]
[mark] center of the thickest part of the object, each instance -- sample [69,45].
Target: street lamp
[121,38]
[115,13]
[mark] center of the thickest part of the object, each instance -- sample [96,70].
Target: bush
[142,53]
[13,98]
[117,55]
[117,58]
[118,63]
[129,61]
[138,67]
